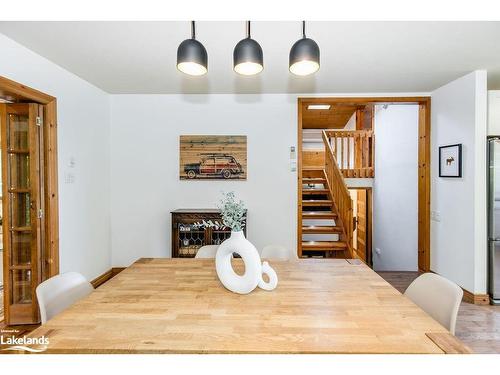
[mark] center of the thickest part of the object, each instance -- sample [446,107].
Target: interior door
[361,224]
[22,192]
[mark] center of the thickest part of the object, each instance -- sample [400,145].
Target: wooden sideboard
[187,237]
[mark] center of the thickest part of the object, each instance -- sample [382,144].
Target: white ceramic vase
[252,277]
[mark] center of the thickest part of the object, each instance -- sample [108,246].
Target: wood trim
[367,100]
[424,186]
[18,92]
[299,178]
[424,163]
[448,343]
[108,275]
[5,213]
[101,279]
[476,299]
[469,297]
[51,190]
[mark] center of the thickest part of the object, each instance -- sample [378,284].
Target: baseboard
[99,280]
[476,299]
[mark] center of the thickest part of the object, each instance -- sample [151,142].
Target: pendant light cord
[248,29]
[303,29]
[193,30]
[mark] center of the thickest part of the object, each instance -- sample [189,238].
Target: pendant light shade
[304,55]
[192,57]
[248,58]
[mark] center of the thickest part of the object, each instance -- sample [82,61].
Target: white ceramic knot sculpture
[252,277]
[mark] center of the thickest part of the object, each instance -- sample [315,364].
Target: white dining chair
[275,252]
[60,292]
[207,251]
[438,297]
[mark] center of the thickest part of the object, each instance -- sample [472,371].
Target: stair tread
[315,191]
[321,229]
[317,203]
[313,180]
[323,245]
[319,214]
[316,200]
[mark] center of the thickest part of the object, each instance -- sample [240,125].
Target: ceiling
[336,117]
[140,57]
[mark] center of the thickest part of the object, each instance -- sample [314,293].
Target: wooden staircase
[326,222]
[321,232]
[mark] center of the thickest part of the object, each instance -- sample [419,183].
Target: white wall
[83,134]
[458,239]
[494,112]
[395,188]
[145,167]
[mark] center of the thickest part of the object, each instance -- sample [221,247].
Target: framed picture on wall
[213,157]
[450,161]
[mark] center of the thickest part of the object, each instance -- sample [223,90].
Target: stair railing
[354,151]
[340,194]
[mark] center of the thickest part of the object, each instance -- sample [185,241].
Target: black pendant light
[192,57]
[304,55]
[248,58]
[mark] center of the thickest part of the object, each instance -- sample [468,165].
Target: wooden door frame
[369,220]
[19,93]
[424,162]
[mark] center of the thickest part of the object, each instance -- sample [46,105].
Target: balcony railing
[354,151]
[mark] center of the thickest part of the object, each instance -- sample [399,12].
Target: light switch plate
[436,216]
[69,178]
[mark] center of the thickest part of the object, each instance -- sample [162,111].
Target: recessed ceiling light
[318,106]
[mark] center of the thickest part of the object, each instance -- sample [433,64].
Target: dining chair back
[207,251]
[275,252]
[438,297]
[60,292]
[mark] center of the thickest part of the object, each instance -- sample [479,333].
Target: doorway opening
[30,246]
[346,160]
[362,236]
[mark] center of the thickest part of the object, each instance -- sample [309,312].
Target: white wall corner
[480,184]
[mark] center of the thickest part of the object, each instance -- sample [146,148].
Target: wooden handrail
[354,151]
[340,194]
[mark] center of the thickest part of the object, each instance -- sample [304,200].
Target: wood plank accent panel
[313,159]
[449,343]
[318,307]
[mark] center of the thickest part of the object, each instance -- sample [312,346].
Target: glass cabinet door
[22,212]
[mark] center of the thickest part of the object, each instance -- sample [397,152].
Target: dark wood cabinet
[188,237]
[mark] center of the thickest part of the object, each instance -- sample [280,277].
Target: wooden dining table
[180,306]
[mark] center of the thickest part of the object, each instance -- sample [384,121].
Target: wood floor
[478,326]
